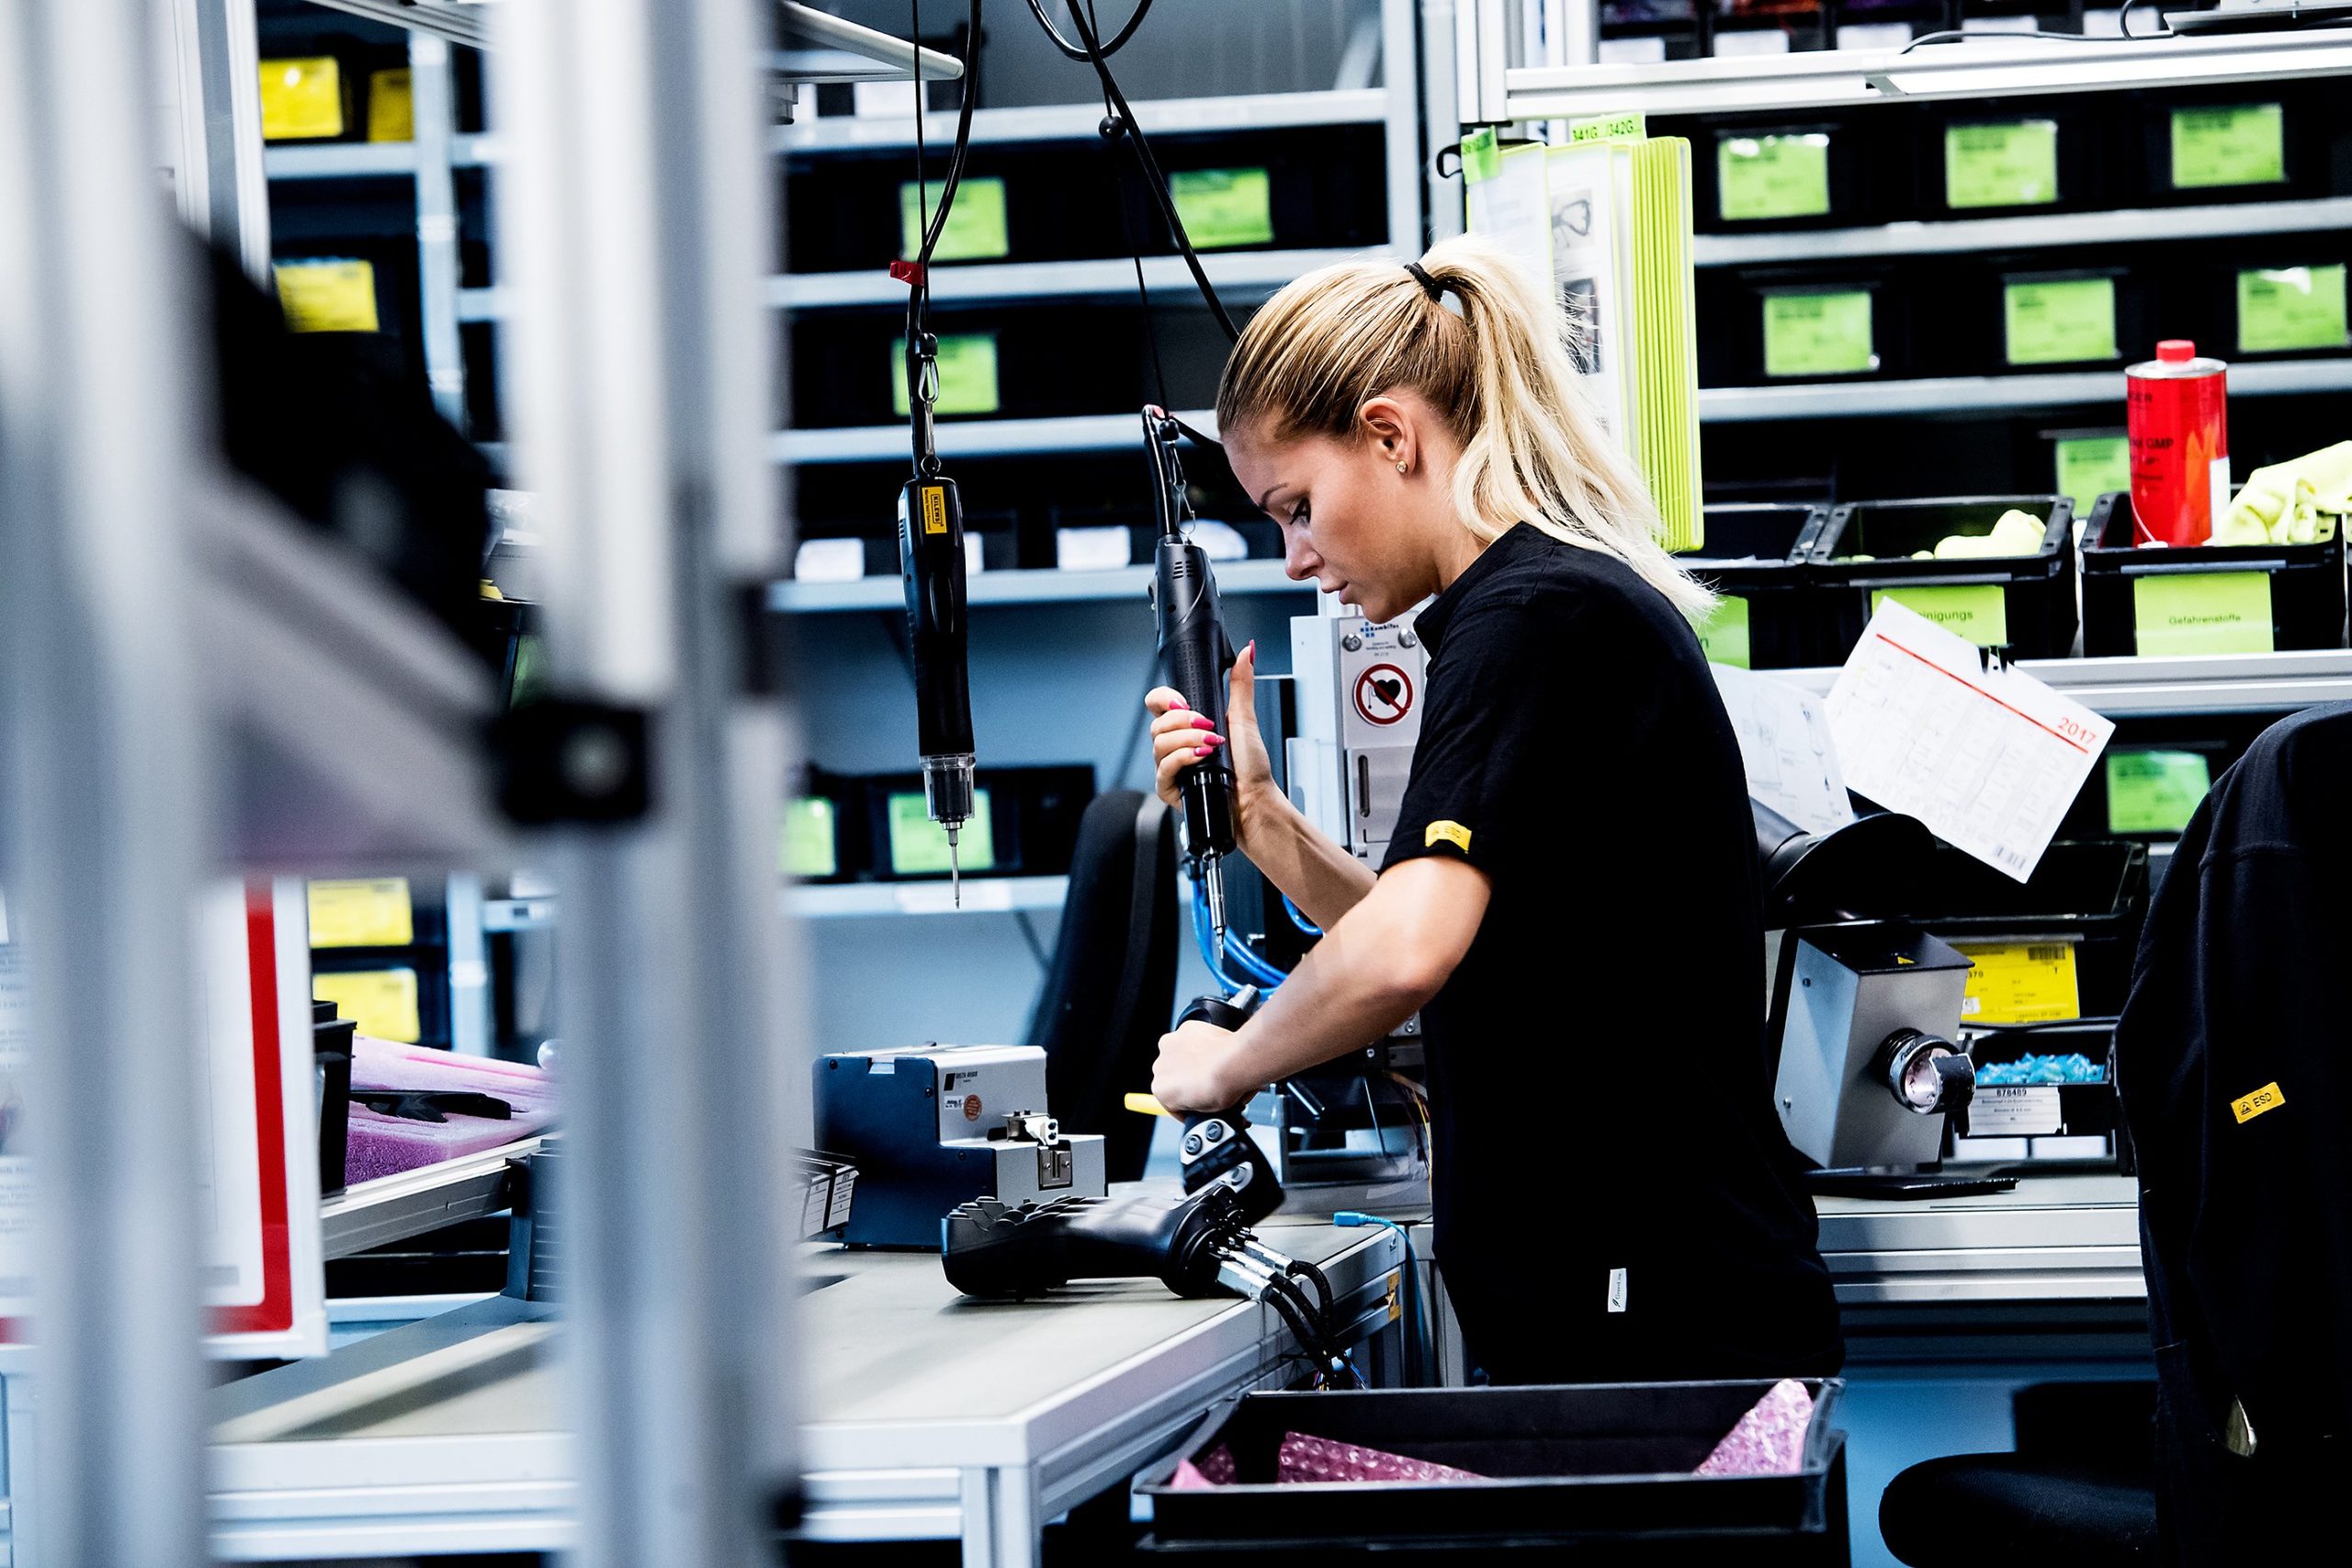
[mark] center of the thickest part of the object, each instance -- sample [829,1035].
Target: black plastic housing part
[1603,1469]
[2307,597]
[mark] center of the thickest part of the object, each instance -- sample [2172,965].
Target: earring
[1400,467]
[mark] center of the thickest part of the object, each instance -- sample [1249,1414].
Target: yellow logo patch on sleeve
[2266,1098]
[1453,833]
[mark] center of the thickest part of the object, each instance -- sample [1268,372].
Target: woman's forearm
[1320,877]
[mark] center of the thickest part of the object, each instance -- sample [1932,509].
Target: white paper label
[1616,1290]
[828,561]
[1092,549]
[2023,1111]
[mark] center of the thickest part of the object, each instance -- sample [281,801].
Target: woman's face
[1342,507]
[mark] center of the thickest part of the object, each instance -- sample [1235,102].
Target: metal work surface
[925,1414]
[2055,1238]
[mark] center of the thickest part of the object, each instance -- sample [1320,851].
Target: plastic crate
[1601,1469]
[2025,603]
[2206,599]
[2093,894]
[1757,555]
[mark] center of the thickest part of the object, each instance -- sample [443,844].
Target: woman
[1570,897]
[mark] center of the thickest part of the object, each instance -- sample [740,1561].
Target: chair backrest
[1109,992]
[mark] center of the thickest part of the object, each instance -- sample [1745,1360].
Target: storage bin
[2211,599]
[1598,1472]
[2025,603]
[2089,894]
[1756,557]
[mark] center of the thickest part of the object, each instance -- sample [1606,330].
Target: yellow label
[935,509]
[2021,983]
[1453,833]
[1396,1296]
[2266,1098]
[301,99]
[328,296]
[382,1002]
[391,107]
[367,912]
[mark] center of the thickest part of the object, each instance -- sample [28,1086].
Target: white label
[1616,1290]
[882,99]
[1754,40]
[2217,482]
[1874,35]
[1092,549]
[972,561]
[828,561]
[1633,51]
[2024,1110]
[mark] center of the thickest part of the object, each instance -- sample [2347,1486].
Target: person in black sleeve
[1571,895]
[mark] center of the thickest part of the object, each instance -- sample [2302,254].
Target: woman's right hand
[1180,737]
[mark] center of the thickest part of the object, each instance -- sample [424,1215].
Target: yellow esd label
[362,912]
[328,296]
[301,99]
[1453,833]
[2266,1098]
[391,107]
[2020,982]
[935,509]
[383,1002]
[1395,1297]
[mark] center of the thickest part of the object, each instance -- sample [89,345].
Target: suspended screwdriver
[931,565]
[1195,659]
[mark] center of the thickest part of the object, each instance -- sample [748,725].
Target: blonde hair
[1533,449]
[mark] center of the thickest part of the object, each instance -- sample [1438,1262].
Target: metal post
[1442,115]
[1483,41]
[1400,79]
[435,115]
[108,783]
[222,188]
[636,220]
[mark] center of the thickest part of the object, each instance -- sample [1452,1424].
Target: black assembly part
[995,1250]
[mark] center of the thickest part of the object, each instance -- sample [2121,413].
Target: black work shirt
[1615,1197]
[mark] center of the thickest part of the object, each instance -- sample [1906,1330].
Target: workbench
[925,1415]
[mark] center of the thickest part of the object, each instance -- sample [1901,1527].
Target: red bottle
[2178,413]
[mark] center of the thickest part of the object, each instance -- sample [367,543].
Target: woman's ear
[1389,426]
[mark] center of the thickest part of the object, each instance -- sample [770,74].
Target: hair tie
[1429,286]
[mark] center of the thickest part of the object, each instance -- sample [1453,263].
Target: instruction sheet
[1988,759]
[1784,740]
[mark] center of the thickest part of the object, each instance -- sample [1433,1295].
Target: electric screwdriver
[1195,659]
[1217,1146]
[931,564]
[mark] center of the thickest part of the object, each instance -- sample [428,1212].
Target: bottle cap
[2175,351]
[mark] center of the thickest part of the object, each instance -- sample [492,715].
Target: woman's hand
[1191,1072]
[1180,737]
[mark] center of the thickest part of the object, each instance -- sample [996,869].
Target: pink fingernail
[1251,651]
[1203,721]
[1212,741]
[1203,751]
[1180,702]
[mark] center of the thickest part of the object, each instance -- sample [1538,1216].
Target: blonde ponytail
[1532,447]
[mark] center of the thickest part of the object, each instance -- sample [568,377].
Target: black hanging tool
[930,565]
[1195,659]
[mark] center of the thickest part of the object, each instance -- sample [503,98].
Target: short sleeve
[1478,768]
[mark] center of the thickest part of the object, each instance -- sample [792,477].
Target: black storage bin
[2092,893]
[2080,170]
[1598,1473]
[1758,555]
[2305,582]
[2037,590]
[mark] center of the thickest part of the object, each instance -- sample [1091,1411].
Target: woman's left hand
[1195,1068]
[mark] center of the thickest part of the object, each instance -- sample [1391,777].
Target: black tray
[1603,1469]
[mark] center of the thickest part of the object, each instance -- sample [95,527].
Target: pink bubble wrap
[1769,1439]
[1214,1468]
[1302,1458]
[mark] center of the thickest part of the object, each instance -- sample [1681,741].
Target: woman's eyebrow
[1265,502]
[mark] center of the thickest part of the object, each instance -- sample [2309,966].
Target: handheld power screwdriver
[931,565]
[1195,659]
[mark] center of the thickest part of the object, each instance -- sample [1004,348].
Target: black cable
[1127,232]
[1316,1277]
[2123,23]
[1037,10]
[1029,935]
[1954,37]
[932,225]
[1124,123]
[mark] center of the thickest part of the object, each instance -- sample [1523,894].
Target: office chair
[2079,1491]
[1111,991]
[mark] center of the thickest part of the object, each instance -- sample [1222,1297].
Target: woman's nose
[1299,560]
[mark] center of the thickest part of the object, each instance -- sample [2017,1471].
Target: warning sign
[1384,694]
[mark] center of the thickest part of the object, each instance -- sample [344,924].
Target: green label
[2155,792]
[1772,177]
[2059,322]
[809,837]
[1223,208]
[2296,307]
[2242,145]
[1978,611]
[976,227]
[2014,164]
[1609,128]
[967,373]
[1481,157]
[918,845]
[1722,635]
[2090,466]
[1818,335]
[2203,612]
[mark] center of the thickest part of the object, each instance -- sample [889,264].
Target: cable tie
[909,273]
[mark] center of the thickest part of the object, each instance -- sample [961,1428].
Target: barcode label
[2055,953]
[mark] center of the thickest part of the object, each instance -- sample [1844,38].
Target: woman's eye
[1298,515]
